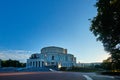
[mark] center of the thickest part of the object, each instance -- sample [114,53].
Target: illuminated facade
[51,56]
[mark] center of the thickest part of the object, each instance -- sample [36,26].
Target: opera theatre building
[51,56]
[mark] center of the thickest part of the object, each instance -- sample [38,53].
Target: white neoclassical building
[51,56]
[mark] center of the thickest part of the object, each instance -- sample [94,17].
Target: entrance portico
[35,63]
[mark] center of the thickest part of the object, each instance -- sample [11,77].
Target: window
[52,57]
[52,63]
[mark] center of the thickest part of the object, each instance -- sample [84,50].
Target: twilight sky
[26,26]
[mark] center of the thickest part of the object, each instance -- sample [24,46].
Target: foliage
[63,68]
[84,69]
[12,63]
[106,27]
[111,73]
[107,64]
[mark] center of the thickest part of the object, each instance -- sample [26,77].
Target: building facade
[51,56]
[87,65]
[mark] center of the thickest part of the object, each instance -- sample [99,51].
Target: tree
[12,63]
[106,27]
[107,64]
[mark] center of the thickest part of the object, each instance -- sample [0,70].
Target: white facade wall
[49,57]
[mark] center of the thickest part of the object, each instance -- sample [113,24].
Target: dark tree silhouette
[106,27]
[12,63]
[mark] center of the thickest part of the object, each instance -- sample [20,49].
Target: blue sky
[26,26]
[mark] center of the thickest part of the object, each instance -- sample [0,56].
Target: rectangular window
[52,57]
[52,63]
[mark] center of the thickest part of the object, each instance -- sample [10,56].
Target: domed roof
[53,49]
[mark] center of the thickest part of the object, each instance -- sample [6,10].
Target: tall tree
[106,27]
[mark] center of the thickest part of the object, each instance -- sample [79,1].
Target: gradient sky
[26,26]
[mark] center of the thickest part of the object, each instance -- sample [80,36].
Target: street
[52,76]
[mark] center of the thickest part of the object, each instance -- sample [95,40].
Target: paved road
[41,76]
[50,76]
[95,76]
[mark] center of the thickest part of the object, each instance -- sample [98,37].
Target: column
[34,63]
[31,63]
[27,64]
[37,63]
[40,63]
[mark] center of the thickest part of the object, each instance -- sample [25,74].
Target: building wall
[53,49]
[51,56]
[85,65]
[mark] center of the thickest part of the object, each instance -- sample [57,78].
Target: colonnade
[35,64]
